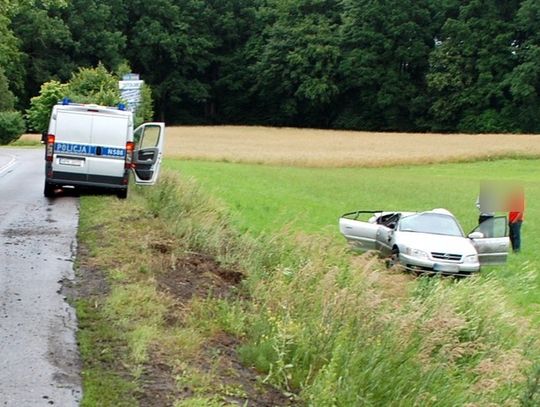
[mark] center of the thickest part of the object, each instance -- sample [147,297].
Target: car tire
[48,190]
[393,260]
[122,194]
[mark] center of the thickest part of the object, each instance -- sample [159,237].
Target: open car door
[147,156]
[360,234]
[493,247]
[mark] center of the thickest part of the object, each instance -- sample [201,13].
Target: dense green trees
[444,65]
[470,67]
[169,43]
[386,46]
[293,62]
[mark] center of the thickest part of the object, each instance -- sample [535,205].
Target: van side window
[137,135]
[150,137]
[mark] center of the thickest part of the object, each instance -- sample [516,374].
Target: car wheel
[393,260]
[48,190]
[122,194]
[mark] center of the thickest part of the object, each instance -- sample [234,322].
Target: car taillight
[49,149]
[130,147]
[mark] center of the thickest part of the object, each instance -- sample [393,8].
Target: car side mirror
[476,235]
[44,137]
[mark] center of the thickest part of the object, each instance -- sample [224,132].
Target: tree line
[403,65]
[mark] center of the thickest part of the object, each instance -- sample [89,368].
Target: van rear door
[148,153]
[109,134]
[72,132]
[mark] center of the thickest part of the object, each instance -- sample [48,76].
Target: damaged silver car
[431,241]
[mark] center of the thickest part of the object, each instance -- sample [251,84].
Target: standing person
[515,217]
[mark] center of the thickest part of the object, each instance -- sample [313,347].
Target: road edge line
[9,164]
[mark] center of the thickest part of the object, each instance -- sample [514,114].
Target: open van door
[149,139]
[491,241]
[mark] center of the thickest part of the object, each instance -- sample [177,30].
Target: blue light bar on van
[66,101]
[121,106]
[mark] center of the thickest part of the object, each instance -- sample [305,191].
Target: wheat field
[334,148]
[331,148]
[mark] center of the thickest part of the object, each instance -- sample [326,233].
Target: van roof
[92,108]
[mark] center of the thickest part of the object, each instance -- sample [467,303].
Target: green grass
[341,330]
[24,143]
[334,328]
[263,199]
[128,323]
[101,385]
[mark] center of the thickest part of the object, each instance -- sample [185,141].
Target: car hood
[435,243]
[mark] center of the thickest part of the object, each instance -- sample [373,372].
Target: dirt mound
[195,275]
[198,275]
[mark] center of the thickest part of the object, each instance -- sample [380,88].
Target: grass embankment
[27,140]
[333,148]
[264,198]
[333,328]
[159,317]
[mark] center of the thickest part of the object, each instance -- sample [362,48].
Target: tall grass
[344,331]
[264,198]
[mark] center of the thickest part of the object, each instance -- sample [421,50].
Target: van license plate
[70,161]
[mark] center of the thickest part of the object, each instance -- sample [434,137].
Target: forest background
[400,65]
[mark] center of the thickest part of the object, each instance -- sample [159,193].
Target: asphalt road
[39,360]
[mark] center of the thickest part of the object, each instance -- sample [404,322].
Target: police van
[95,146]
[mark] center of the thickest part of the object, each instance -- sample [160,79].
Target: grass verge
[27,140]
[158,317]
[262,199]
[190,291]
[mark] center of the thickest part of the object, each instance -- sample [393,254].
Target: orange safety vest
[516,209]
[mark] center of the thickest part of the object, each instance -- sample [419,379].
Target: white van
[95,146]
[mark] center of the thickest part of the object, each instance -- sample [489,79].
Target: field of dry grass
[30,137]
[329,148]
[333,148]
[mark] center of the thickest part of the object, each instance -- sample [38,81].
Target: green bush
[94,85]
[11,126]
[7,100]
[40,106]
[145,111]
[88,85]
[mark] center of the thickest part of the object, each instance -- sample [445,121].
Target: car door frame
[370,235]
[491,249]
[361,235]
[385,234]
[151,163]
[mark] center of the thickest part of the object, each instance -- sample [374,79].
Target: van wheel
[48,190]
[122,194]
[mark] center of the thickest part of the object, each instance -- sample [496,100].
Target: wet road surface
[39,361]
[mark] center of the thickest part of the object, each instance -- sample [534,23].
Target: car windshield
[434,223]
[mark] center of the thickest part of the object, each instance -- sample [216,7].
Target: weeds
[531,395]
[331,329]
[336,329]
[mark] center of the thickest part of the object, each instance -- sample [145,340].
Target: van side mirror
[43,137]
[476,235]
